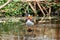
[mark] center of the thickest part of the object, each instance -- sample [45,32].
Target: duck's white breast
[29,23]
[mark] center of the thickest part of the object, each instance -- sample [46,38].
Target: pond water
[15,31]
[43,32]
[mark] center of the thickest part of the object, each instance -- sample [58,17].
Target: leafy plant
[16,7]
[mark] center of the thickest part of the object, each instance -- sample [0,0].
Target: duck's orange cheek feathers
[30,17]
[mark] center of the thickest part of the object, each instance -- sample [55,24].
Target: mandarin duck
[29,21]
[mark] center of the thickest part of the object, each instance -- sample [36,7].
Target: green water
[13,27]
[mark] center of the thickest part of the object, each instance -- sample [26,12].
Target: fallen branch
[49,11]
[2,6]
[32,8]
[41,11]
[44,9]
[48,7]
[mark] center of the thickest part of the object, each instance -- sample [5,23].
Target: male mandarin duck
[29,21]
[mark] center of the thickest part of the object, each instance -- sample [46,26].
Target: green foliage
[2,1]
[55,7]
[16,0]
[13,27]
[16,8]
